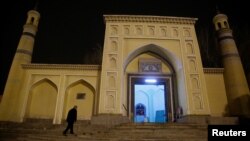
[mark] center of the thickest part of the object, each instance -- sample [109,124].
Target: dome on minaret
[220,21]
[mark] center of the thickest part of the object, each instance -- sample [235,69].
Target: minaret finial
[217,9]
[36,5]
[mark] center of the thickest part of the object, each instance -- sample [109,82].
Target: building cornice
[213,70]
[149,19]
[62,66]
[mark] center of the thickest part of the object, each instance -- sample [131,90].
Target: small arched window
[226,25]
[32,20]
[219,25]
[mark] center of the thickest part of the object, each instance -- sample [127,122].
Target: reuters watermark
[241,132]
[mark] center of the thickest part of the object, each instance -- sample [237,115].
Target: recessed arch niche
[42,100]
[85,102]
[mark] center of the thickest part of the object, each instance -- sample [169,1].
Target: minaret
[234,76]
[12,99]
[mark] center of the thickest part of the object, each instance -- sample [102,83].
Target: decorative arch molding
[163,53]
[114,46]
[189,48]
[113,62]
[81,81]
[163,31]
[192,65]
[42,81]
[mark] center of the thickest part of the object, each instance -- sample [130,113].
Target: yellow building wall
[216,91]
[84,105]
[42,101]
[50,90]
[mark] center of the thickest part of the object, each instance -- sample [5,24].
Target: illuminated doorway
[149,103]
[151,99]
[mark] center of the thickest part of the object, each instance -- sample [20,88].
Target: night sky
[70,30]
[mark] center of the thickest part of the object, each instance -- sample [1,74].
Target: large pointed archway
[151,61]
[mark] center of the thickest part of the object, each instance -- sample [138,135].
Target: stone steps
[87,132]
[178,132]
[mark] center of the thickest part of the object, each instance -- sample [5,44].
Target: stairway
[156,132]
[32,131]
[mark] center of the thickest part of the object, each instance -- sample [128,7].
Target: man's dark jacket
[72,114]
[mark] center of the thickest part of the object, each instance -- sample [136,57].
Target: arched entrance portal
[151,82]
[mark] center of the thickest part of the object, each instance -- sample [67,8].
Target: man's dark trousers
[69,127]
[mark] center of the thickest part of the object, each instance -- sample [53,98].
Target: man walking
[71,119]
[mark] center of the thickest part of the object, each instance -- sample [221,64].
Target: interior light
[150,80]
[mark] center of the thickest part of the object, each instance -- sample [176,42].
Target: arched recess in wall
[192,65]
[190,49]
[82,94]
[111,82]
[161,52]
[42,100]
[176,65]
[195,83]
[113,46]
[113,63]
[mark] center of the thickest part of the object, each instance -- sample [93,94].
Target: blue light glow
[150,80]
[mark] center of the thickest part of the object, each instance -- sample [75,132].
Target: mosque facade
[151,72]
